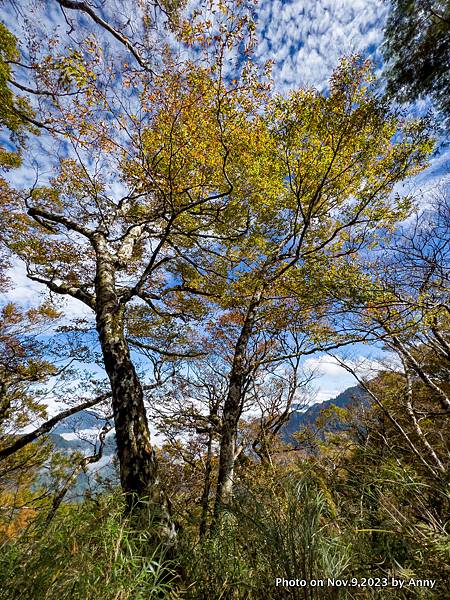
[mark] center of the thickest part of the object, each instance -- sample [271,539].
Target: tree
[15,116]
[183,188]
[28,366]
[141,192]
[407,311]
[21,368]
[27,363]
[15,111]
[331,165]
[417,52]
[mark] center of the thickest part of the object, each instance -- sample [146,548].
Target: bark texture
[137,458]
[232,411]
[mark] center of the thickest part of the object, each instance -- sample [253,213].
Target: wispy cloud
[331,378]
[306,38]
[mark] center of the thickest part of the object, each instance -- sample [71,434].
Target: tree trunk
[232,411]
[261,446]
[206,487]
[137,459]
[224,493]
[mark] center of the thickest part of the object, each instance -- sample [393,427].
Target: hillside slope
[307,417]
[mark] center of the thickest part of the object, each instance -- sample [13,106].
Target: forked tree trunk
[137,459]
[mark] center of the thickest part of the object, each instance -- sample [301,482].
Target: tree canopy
[203,242]
[417,52]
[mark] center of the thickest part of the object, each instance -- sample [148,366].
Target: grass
[88,552]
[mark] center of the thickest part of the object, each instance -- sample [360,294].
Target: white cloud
[306,39]
[22,290]
[331,378]
[330,366]
[324,365]
[327,394]
[28,293]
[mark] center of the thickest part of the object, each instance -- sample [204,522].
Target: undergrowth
[89,551]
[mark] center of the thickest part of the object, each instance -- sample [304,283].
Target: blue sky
[305,39]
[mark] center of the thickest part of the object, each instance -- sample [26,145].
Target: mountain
[81,421]
[79,432]
[307,417]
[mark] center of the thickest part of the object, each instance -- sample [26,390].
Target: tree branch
[66,290]
[84,7]
[39,213]
[27,438]
[168,353]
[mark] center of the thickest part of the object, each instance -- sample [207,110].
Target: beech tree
[319,195]
[176,191]
[27,363]
[141,192]
[334,161]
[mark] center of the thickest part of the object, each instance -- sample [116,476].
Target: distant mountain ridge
[79,432]
[83,420]
[307,416]
[87,423]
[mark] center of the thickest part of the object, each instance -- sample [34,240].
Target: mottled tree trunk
[137,459]
[224,493]
[232,411]
[138,471]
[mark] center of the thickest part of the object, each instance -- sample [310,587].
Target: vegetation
[89,551]
[417,52]
[215,234]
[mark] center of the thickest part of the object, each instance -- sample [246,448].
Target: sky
[305,39]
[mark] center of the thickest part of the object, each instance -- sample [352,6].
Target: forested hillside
[196,245]
[355,398]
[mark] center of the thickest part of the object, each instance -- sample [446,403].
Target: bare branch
[120,37]
[27,438]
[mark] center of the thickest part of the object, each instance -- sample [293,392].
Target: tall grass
[289,532]
[296,528]
[88,552]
